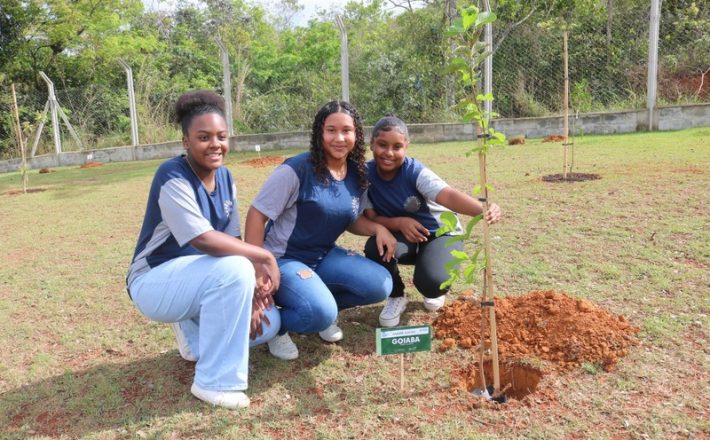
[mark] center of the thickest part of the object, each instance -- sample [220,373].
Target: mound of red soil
[553,327]
[45,170]
[91,164]
[571,177]
[517,140]
[554,138]
[264,161]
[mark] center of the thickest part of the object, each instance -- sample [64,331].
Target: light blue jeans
[310,297]
[211,297]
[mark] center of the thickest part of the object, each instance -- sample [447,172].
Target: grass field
[79,361]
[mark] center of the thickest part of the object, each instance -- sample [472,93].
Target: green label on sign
[403,339]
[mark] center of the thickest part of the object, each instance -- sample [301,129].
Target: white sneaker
[434,304]
[226,399]
[282,347]
[332,333]
[394,307]
[183,346]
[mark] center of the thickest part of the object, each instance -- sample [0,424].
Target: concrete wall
[666,118]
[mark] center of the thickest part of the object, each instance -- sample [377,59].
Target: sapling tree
[468,53]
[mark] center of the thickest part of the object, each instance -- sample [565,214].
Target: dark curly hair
[196,103]
[357,155]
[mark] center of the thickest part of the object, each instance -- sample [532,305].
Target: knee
[234,269]
[430,287]
[323,314]
[381,286]
[270,330]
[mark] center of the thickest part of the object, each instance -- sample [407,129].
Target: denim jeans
[310,297]
[428,259]
[211,298]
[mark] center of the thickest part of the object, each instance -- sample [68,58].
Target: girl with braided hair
[299,213]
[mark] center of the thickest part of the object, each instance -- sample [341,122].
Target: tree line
[282,73]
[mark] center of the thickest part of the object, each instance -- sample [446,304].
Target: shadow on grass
[125,396]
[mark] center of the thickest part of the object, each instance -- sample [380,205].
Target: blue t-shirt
[180,209]
[306,215]
[410,193]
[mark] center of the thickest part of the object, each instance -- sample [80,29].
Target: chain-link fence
[608,68]
[608,59]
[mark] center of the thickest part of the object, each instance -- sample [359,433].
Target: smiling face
[338,137]
[206,143]
[389,148]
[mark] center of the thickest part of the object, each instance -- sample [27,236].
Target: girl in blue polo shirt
[308,202]
[408,199]
[191,269]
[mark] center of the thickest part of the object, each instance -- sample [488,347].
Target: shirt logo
[356,205]
[412,204]
[227,205]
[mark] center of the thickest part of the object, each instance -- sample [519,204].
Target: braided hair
[357,155]
[195,103]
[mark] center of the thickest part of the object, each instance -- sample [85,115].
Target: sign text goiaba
[403,339]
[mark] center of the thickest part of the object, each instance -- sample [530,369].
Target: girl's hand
[494,214]
[412,230]
[257,317]
[268,279]
[386,243]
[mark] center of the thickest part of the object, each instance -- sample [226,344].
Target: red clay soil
[554,138]
[517,140]
[571,177]
[562,331]
[264,161]
[91,164]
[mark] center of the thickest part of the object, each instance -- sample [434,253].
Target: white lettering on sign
[405,341]
[405,332]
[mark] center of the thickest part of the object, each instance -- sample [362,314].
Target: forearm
[391,223]
[459,202]
[219,244]
[365,226]
[254,227]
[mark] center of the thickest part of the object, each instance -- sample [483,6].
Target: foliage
[468,54]
[281,73]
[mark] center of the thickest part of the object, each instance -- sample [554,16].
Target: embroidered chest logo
[412,204]
[355,205]
[227,207]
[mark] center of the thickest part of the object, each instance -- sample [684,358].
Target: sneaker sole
[391,322]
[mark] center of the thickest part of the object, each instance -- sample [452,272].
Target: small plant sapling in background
[468,53]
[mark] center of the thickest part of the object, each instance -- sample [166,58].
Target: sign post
[400,340]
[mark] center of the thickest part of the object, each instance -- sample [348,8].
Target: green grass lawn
[79,361]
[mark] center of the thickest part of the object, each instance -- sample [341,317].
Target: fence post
[227,86]
[344,61]
[52,102]
[488,64]
[131,104]
[652,80]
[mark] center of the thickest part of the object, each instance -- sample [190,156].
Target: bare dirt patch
[91,164]
[264,161]
[571,177]
[14,192]
[545,328]
[554,138]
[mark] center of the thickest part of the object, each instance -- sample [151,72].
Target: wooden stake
[488,276]
[18,132]
[401,372]
[565,56]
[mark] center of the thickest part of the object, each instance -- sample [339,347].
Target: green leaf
[461,255]
[484,18]
[469,17]
[455,239]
